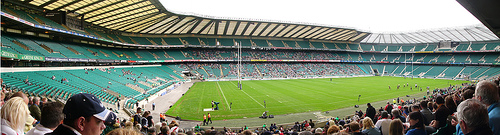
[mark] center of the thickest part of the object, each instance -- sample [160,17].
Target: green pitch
[292,96]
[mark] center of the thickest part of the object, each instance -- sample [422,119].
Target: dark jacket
[62,130]
[370,112]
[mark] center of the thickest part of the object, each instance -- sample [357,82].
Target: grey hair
[36,99]
[488,92]
[473,113]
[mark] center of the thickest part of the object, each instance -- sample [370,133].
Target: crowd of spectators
[273,70]
[263,55]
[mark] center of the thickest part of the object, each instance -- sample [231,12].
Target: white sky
[379,16]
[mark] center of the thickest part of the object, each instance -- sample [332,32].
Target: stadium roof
[150,17]
[463,34]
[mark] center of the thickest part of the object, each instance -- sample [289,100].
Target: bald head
[21,95]
[487,92]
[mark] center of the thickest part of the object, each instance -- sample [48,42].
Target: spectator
[29,120]
[441,114]
[370,111]
[388,107]
[487,93]
[384,123]
[450,103]
[137,116]
[355,128]
[84,114]
[35,109]
[52,115]
[472,116]
[2,97]
[369,128]
[426,112]
[13,123]
[396,114]
[144,121]
[124,131]
[333,129]
[164,130]
[417,127]
[396,127]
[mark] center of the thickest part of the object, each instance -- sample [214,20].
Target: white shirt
[384,123]
[39,130]
[174,129]
[6,129]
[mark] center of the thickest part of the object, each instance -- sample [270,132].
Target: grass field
[292,96]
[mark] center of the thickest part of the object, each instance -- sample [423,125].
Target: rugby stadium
[137,55]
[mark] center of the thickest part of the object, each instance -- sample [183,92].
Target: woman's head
[333,129]
[367,123]
[146,114]
[396,127]
[15,111]
[416,120]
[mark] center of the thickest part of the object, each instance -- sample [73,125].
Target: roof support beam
[125,21]
[103,7]
[182,25]
[195,25]
[67,4]
[289,30]
[138,20]
[166,23]
[90,4]
[118,9]
[175,23]
[204,27]
[47,3]
[254,28]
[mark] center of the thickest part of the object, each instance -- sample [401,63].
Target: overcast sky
[378,16]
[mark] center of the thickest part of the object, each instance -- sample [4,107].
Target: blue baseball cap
[84,104]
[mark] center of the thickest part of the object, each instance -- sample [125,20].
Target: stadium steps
[145,84]
[221,73]
[404,69]
[108,91]
[21,45]
[126,55]
[136,88]
[426,72]
[258,71]
[442,74]
[394,70]
[151,41]
[105,54]
[154,55]
[480,75]
[116,54]
[173,76]
[138,56]
[459,73]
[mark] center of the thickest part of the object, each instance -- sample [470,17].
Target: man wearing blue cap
[85,115]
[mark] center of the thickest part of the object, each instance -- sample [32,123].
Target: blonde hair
[368,123]
[15,111]
[123,131]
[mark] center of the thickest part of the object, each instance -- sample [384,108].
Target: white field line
[248,96]
[223,94]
